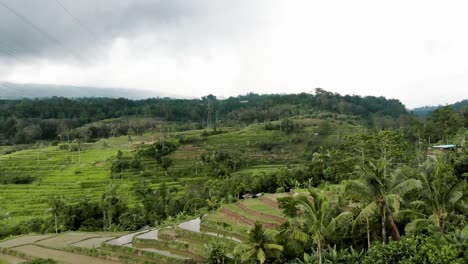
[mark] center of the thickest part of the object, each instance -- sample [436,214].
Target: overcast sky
[415,51]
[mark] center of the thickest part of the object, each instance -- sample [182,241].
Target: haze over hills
[18,91]
[427,110]
[10,91]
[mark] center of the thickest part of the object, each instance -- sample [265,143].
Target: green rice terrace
[85,174]
[181,242]
[269,179]
[74,176]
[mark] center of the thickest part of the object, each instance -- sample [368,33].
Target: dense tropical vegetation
[380,194]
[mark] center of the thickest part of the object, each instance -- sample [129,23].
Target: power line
[11,52]
[43,33]
[77,21]
[17,54]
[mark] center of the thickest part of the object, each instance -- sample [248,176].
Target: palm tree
[442,194]
[56,205]
[319,225]
[380,193]
[259,246]
[109,203]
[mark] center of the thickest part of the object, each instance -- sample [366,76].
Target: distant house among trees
[442,148]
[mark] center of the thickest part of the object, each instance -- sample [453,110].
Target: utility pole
[210,111]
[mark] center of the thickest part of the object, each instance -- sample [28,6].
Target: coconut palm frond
[301,236]
[417,204]
[338,220]
[457,192]
[261,256]
[358,190]
[417,225]
[394,201]
[245,251]
[367,212]
[273,246]
[403,173]
[406,187]
[409,214]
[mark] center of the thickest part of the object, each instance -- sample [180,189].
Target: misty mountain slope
[427,110]
[18,91]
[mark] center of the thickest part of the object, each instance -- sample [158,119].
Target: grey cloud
[175,24]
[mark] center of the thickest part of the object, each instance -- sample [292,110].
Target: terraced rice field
[171,244]
[54,246]
[66,239]
[124,240]
[238,218]
[59,172]
[7,259]
[63,256]
[23,240]
[91,243]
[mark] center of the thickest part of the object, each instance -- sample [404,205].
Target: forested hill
[427,110]
[28,120]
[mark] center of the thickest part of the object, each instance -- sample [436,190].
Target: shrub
[433,248]
[267,146]
[215,253]
[280,190]
[41,261]
[17,180]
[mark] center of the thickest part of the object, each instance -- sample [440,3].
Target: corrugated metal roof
[445,146]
